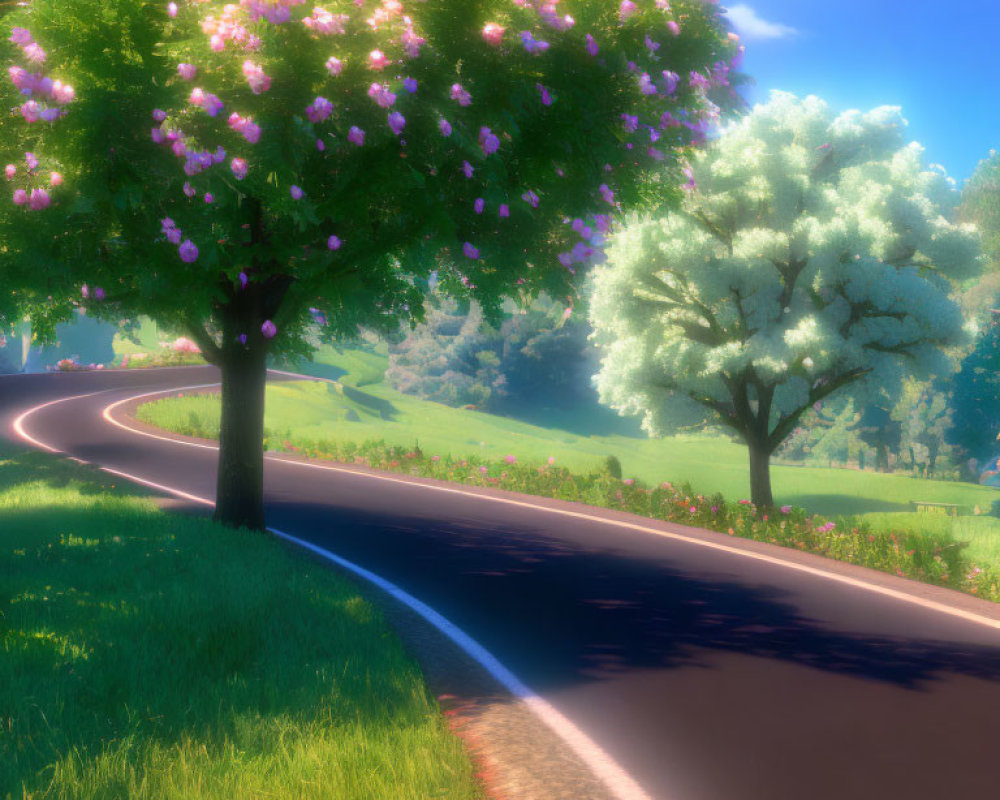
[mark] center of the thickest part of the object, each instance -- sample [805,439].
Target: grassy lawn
[982,533]
[146,655]
[327,412]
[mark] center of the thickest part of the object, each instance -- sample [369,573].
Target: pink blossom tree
[248,172]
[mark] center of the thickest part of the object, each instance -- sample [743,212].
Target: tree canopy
[812,253]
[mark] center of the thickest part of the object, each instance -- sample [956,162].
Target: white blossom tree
[812,255]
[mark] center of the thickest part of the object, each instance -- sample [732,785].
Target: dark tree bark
[760,474]
[239,498]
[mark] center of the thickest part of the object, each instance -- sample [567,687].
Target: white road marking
[621,785]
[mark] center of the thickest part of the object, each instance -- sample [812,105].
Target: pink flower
[469,251]
[171,10]
[55,179]
[626,9]
[478,205]
[467,169]
[209,197]
[530,198]
[631,122]
[296,192]
[410,84]
[445,127]
[356,136]
[34,52]
[504,210]
[459,94]
[20,197]
[334,65]
[184,345]
[333,243]
[10,171]
[510,459]
[493,34]
[99,293]
[268,329]
[591,45]
[627,481]
[187,71]
[21,36]
[244,280]
[188,251]
[546,97]
[38,199]
[30,160]
[693,509]
[675,29]
[159,114]
[254,73]
[552,459]
[483,469]
[320,145]
[377,60]
[239,168]
[786,509]
[397,122]
[379,92]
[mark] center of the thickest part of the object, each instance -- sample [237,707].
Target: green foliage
[613,467]
[149,655]
[975,397]
[981,204]
[396,200]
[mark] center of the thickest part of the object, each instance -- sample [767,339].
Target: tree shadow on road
[542,600]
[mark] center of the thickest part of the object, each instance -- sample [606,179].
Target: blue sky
[937,60]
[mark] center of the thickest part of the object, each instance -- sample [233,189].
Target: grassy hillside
[323,411]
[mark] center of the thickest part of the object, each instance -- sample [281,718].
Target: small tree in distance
[811,256]
[240,171]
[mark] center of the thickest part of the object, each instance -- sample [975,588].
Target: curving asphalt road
[705,672]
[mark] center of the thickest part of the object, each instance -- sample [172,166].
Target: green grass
[711,464]
[982,533]
[146,655]
[351,366]
[148,335]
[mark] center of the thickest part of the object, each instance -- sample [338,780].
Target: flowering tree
[811,255]
[243,172]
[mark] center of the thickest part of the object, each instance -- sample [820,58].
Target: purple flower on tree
[188,251]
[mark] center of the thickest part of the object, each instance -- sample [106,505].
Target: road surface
[705,673]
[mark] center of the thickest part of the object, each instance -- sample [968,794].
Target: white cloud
[750,26]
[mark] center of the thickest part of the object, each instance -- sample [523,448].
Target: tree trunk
[239,499]
[881,457]
[760,475]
